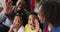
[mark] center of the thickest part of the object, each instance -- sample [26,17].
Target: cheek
[16,23]
[40,18]
[29,22]
[20,23]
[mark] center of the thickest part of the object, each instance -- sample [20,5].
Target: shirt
[4,19]
[28,29]
[21,29]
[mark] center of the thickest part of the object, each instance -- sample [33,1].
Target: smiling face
[31,21]
[17,21]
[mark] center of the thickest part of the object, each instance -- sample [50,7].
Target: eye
[29,19]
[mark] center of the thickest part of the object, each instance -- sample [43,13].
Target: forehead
[32,16]
[18,17]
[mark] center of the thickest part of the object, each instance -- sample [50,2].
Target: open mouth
[32,25]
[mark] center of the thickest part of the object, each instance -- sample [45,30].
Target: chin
[32,27]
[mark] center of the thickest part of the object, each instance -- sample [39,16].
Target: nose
[17,23]
[32,21]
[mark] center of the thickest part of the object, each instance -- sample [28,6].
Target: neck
[18,28]
[49,27]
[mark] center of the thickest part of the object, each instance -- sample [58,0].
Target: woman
[49,15]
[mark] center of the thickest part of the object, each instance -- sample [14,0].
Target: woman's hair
[51,11]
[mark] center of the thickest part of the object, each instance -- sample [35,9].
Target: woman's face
[17,21]
[40,15]
[31,21]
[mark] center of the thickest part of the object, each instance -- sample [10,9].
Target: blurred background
[31,5]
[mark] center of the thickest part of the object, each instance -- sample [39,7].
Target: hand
[12,26]
[9,7]
[37,25]
[11,29]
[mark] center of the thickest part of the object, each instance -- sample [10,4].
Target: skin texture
[33,21]
[9,8]
[40,16]
[16,23]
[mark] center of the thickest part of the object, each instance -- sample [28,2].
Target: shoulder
[27,28]
[56,29]
[40,30]
[27,25]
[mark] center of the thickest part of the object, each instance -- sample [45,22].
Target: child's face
[31,21]
[17,21]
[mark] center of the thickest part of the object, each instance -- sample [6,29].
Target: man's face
[40,15]
[17,21]
[31,21]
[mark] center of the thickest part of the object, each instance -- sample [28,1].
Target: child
[33,24]
[17,25]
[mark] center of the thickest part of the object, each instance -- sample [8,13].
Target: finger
[9,3]
[12,8]
[36,23]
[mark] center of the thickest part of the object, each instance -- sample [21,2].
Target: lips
[32,25]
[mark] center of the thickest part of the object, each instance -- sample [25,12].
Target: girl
[33,24]
[17,25]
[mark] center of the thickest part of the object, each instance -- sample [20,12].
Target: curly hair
[51,11]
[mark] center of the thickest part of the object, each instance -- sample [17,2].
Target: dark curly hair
[51,11]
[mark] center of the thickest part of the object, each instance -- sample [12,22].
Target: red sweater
[46,29]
